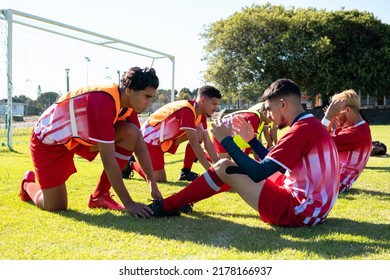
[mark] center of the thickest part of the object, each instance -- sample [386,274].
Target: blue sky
[170,26]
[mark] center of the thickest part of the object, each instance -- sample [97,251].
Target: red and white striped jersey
[354,145]
[310,158]
[92,116]
[173,125]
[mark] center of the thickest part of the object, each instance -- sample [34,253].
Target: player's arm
[111,167]
[274,133]
[209,146]
[257,171]
[334,108]
[267,135]
[192,136]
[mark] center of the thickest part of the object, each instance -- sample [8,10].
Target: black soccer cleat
[158,210]
[128,172]
[187,209]
[188,176]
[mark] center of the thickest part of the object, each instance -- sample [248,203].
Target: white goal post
[41,55]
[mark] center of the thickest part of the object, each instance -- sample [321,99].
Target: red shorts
[54,163]
[276,205]
[157,156]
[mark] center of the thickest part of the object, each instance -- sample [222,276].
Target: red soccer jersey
[173,125]
[354,145]
[310,158]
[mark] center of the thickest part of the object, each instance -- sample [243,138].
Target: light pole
[67,79]
[87,60]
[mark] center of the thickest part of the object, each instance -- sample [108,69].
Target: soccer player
[260,123]
[302,196]
[352,135]
[177,122]
[270,128]
[86,122]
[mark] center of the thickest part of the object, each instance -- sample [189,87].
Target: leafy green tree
[184,94]
[47,98]
[324,52]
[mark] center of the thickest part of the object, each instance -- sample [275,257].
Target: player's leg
[53,165]
[189,157]
[126,137]
[206,185]
[240,183]
[158,162]
[51,199]
[160,176]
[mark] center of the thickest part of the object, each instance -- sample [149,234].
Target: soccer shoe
[105,201]
[187,209]
[128,172]
[158,210]
[190,176]
[29,176]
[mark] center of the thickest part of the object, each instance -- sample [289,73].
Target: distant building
[17,108]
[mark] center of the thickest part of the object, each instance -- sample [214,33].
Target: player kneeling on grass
[303,195]
[85,122]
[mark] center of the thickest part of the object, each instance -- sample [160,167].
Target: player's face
[275,112]
[341,119]
[140,100]
[210,105]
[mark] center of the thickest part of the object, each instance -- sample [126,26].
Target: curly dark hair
[137,78]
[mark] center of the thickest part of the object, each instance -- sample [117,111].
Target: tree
[47,98]
[185,94]
[324,52]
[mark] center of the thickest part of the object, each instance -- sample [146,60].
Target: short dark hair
[209,91]
[281,87]
[137,78]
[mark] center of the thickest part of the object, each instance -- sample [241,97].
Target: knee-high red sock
[122,157]
[189,157]
[137,168]
[34,191]
[203,187]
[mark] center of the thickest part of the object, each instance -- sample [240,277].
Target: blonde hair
[350,97]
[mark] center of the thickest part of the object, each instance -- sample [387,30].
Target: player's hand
[334,109]
[220,130]
[155,192]
[243,128]
[139,210]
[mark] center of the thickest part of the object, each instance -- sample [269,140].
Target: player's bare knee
[221,166]
[126,132]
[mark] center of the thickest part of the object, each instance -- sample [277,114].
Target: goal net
[39,56]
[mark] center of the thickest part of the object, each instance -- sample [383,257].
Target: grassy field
[221,228]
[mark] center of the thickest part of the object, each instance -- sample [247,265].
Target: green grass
[221,228]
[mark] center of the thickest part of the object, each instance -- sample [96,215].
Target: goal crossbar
[72,32]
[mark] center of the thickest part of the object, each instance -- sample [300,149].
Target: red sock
[34,191]
[104,184]
[137,168]
[189,157]
[203,187]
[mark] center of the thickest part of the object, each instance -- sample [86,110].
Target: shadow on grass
[378,168]
[353,193]
[335,239]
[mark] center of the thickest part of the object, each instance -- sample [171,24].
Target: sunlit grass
[222,227]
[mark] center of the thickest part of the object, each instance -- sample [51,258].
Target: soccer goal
[39,55]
